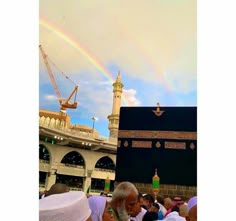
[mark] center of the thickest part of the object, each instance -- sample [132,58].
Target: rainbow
[85,53]
[133,39]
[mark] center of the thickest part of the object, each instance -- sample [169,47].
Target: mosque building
[79,157]
[75,154]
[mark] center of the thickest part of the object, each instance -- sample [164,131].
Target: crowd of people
[125,204]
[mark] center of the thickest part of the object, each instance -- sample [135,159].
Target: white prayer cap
[69,206]
[97,205]
[192,202]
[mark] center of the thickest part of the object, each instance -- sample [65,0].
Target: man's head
[192,209]
[100,208]
[178,201]
[160,199]
[124,199]
[183,211]
[69,206]
[154,208]
[148,200]
[57,188]
[137,208]
[168,204]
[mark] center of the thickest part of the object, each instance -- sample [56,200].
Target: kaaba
[162,138]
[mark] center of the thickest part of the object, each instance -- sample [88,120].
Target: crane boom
[64,103]
[50,74]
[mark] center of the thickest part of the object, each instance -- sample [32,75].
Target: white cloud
[130,96]
[104,83]
[96,101]
[50,97]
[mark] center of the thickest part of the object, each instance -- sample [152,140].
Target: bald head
[183,210]
[58,188]
[168,203]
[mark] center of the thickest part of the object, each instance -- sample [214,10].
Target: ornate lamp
[155,184]
[107,185]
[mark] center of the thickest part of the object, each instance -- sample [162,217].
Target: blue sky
[152,43]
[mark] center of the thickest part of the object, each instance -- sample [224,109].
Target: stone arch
[105,163]
[73,158]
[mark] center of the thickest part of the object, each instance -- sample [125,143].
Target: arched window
[73,159]
[105,163]
[44,155]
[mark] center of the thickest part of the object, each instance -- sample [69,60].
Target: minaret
[114,117]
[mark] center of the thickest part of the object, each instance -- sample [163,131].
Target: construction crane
[64,103]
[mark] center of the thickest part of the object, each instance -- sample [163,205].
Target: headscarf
[97,204]
[192,202]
